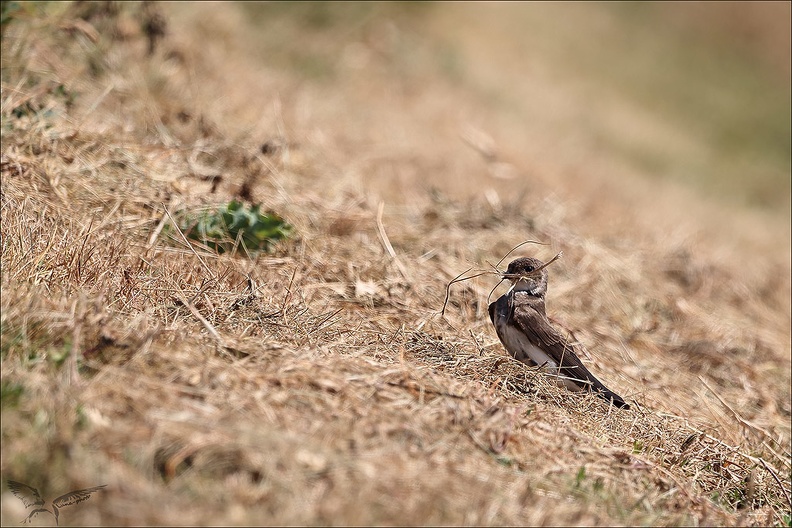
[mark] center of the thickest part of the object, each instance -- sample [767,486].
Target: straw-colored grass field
[317,383]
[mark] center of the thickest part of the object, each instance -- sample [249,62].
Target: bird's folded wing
[541,333]
[494,306]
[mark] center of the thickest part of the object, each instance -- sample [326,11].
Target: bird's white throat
[528,287]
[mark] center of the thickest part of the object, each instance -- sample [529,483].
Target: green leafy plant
[580,477]
[10,393]
[7,12]
[234,227]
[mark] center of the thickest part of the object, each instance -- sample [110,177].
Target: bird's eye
[529,269]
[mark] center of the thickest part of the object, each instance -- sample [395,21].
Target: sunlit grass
[316,382]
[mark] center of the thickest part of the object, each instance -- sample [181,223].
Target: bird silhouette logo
[31,497]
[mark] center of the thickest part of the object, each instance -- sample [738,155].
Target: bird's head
[528,274]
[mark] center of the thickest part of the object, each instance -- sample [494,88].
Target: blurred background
[693,92]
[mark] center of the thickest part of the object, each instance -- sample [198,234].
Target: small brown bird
[522,326]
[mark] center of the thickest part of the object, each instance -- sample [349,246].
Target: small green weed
[7,12]
[505,461]
[580,477]
[234,227]
[10,393]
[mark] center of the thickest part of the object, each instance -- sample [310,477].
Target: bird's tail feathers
[611,396]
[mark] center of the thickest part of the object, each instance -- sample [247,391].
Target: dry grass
[318,384]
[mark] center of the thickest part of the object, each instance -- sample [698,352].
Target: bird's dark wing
[502,307]
[542,334]
[75,497]
[29,496]
[511,337]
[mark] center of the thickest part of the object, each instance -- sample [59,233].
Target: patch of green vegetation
[234,227]
[43,107]
[8,10]
[505,461]
[33,343]
[58,355]
[8,339]
[10,393]
[81,420]
[48,100]
[580,477]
